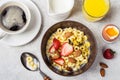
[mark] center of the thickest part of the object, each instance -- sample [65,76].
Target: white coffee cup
[60,9]
[3,30]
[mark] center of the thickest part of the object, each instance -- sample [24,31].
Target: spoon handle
[45,77]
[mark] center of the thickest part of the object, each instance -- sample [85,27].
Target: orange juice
[95,10]
[110,32]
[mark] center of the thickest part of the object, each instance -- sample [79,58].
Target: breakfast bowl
[65,56]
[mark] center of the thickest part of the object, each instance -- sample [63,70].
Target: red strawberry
[59,61]
[66,50]
[52,49]
[108,54]
[56,43]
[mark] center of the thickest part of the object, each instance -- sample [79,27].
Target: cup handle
[2,34]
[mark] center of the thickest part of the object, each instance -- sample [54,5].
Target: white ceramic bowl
[60,13]
[26,11]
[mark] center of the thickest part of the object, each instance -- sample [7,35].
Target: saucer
[33,28]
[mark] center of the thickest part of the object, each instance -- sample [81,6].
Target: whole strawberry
[108,54]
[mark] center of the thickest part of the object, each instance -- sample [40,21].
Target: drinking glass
[94,10]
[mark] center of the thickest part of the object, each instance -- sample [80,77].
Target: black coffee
[13,18]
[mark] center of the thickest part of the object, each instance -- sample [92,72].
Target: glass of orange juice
[94,10]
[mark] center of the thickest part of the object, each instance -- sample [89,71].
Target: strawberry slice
[59,61]
[52,49]
[56,43]
[67,49]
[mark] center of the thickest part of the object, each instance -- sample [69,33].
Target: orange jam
[110,32]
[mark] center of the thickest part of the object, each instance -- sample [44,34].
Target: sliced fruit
[56,43]
[52,49]
[60,61]
[67,49]
[108,54]
[56,55]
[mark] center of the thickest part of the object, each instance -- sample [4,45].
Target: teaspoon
[32,63]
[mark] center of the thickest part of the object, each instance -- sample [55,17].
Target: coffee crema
[13,18]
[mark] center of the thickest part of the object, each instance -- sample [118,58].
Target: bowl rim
[68,74]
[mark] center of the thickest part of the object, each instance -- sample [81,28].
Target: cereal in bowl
[68,49]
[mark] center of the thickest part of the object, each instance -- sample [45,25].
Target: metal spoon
[36,61]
